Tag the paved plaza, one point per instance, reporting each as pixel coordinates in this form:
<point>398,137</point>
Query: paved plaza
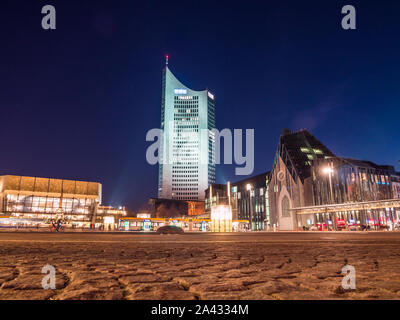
<point>200,266</point>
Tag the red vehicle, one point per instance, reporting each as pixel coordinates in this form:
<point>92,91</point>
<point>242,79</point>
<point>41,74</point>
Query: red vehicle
<point>322,226</point>
<point>340,224</point>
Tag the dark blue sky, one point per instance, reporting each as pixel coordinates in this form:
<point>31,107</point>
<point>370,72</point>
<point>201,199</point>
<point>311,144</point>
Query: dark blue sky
<point>76,102</point>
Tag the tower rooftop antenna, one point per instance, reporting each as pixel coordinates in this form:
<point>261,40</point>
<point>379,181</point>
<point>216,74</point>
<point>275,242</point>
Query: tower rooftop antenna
<point>166,59</point>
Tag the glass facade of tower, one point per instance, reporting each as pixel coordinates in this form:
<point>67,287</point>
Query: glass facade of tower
<point>187,151</point>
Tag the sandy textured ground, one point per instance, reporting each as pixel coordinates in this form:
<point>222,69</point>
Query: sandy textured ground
<point>205,266</point>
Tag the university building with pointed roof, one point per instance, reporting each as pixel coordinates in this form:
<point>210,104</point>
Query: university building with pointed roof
<point>309,185</point>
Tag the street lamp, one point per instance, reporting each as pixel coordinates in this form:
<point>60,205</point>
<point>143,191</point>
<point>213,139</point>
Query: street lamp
<point>329,172</point>
<point>249,187</point>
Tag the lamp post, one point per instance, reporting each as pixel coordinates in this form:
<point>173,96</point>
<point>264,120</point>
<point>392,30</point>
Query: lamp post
<point>228,191</point>
<point>329,171</point>
<point>249,188</point>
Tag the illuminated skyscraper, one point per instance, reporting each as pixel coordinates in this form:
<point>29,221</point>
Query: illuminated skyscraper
<point>187,150</point>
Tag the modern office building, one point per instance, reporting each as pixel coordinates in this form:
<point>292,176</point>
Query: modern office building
<point>187,151</point>
<point>340,182</point>
<point>395,179</point>
<point>248,199</point>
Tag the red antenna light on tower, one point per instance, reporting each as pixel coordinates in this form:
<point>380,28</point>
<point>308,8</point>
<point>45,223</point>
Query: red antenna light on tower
<point>166,59</point>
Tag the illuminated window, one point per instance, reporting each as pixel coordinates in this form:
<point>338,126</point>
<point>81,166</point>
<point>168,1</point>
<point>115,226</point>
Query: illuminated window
<point>310,156</point>
<point>305,150</point>
<point>317,151</point>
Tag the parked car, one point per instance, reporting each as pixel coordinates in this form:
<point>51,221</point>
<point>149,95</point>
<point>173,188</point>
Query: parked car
<point>354,227</point>
<point>170,230</point>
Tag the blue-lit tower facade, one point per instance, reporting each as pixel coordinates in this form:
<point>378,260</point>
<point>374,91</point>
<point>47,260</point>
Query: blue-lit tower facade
<point>187,150</point>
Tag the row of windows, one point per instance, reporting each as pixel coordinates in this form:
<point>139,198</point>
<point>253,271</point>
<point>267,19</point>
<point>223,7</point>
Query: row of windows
<point>189,167</point>
<point>185,105</point>
<point>185,175</point>
<point>178,159</point>
<point>183,97</point>
<point>185,198</point>
<point>184,141</point>
<point>186,193</point>
<point>183,163</point>
<point>182,113</point>
<point>185,147</point>
<point>186,121</point>
<point>184,171</point>
<point>184,152</point>
<point>184,126</point>
<point>186,110</point>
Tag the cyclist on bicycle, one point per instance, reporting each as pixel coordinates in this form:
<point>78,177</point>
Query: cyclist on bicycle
<point>59,225</point>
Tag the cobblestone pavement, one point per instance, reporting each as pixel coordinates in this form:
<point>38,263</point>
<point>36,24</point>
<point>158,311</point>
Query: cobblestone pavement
<point>200,266</point>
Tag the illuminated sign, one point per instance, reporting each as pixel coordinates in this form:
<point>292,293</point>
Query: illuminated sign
<point>221,218</point>
<point>147,225</point>
<point>221,212</point>
<point>108,220</point>
<point>180,91</point>
<point>210,95</point>
<point>143,215</point>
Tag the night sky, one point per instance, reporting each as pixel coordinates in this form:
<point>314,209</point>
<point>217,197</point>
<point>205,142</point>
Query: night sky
<point>76,102</point>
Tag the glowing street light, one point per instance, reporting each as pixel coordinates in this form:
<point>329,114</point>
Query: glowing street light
<point>327,170</point>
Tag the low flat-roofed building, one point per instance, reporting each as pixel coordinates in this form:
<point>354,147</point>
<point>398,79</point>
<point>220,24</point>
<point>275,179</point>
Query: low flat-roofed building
<point>44,199</point>
<point>172,208</point>
<point>107,217</point>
